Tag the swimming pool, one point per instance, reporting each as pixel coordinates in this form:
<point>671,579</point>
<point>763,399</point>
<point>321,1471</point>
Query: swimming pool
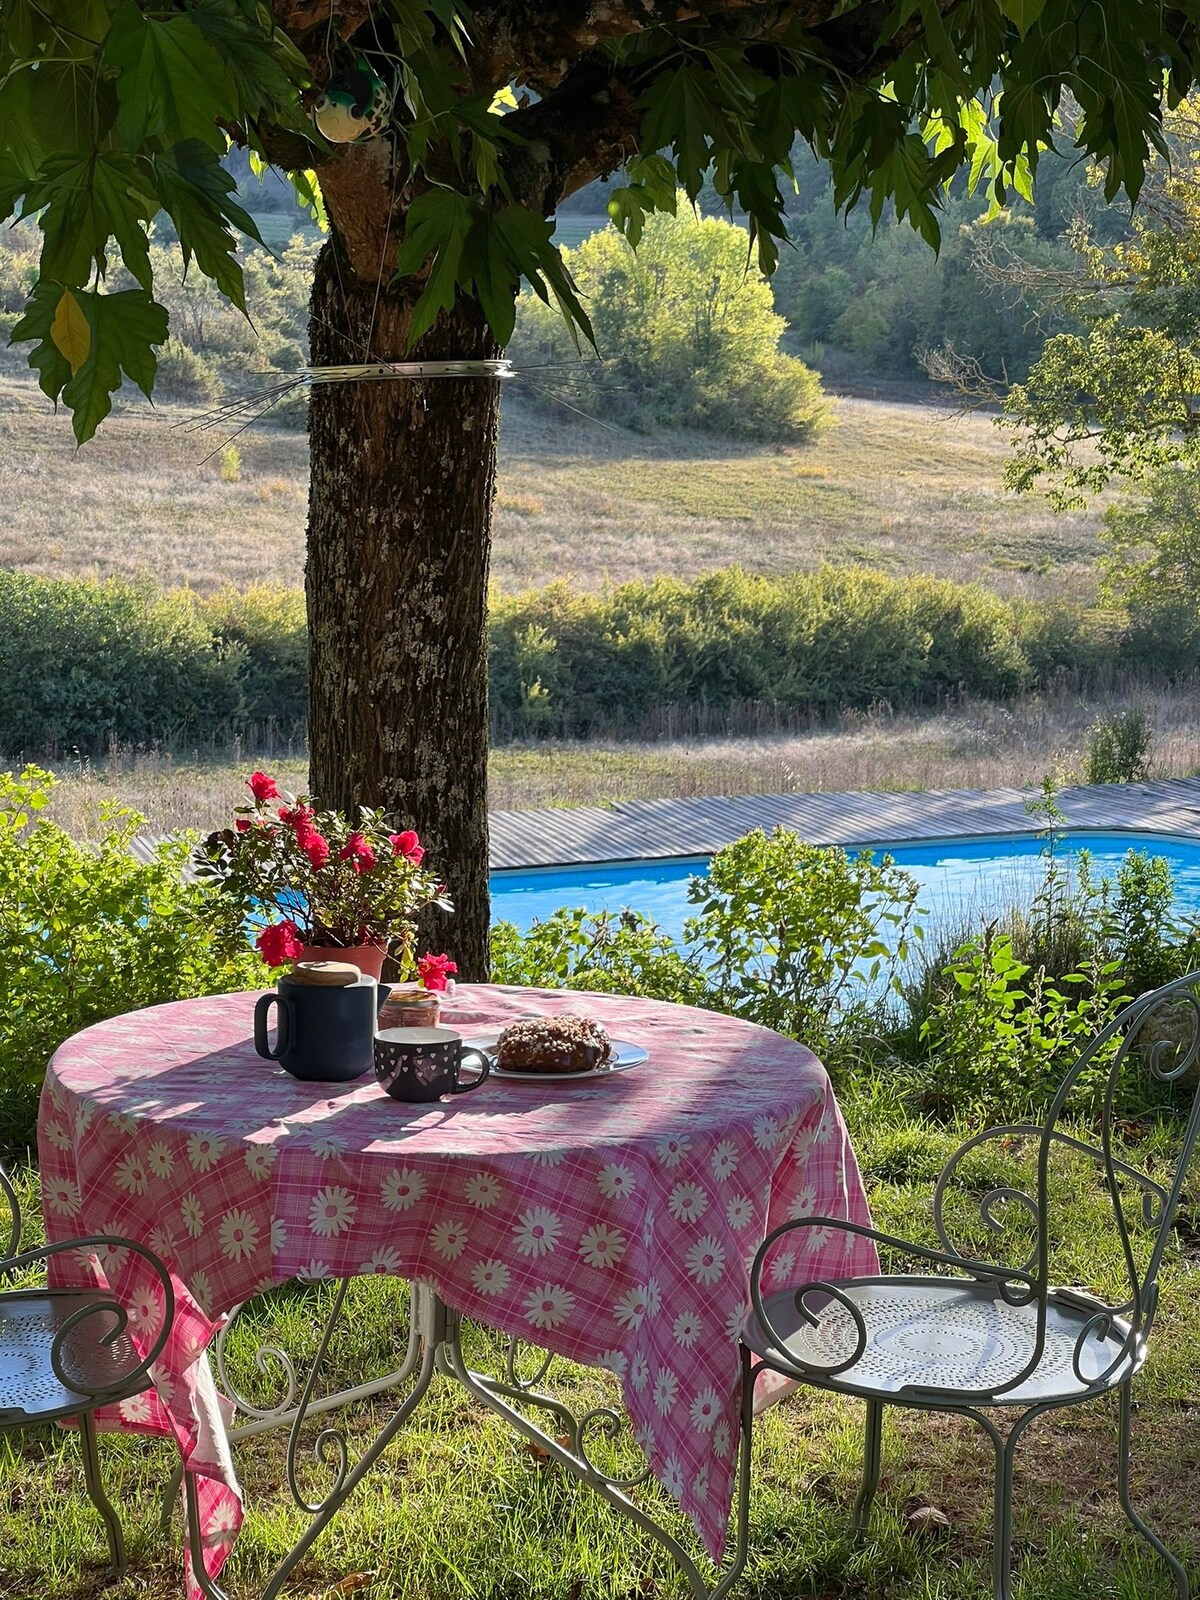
<point>959,878</point>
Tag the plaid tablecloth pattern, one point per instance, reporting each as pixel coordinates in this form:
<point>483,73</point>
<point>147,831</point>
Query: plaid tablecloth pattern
<point>612,1220</point>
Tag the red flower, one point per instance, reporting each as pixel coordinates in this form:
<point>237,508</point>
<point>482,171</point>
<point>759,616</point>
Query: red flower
<point>279,943</point>
<point>315,847</point>
<point>434,970</point>
<point>407,844</point>
<point>242,825</point>
<point>262,787</point>
<point>358,853</point>
<point>298,816</point>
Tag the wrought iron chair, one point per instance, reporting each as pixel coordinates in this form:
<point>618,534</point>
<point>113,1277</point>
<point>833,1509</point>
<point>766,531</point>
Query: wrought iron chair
<point>63,1352</point>
<point>999,1335</point>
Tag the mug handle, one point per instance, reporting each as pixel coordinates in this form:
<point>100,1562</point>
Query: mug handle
<point>485,1067</point>
<point>282,1025</point>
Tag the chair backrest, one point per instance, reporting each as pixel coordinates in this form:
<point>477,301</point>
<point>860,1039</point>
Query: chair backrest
<point>10,1220</point>
<point>1155,1038</point>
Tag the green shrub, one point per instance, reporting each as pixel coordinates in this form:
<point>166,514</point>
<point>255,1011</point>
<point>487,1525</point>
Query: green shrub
<point>267,627</point>
<point>88,934</point>
<point>83,663</point>
<point>185,376</point>
<point>689,334</point>
<point>1119,748</point>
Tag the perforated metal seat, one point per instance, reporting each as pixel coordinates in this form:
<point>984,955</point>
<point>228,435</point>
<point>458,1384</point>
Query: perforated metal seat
<point>30,1390</point>
<point>938,1334</point>
<point>63,1352</point>
<point>987,1333</point>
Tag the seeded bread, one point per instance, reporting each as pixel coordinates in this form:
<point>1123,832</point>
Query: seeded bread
<point>553,1044</point>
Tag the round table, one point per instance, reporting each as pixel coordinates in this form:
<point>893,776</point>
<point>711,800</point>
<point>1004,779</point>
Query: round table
<point>610,1220</point>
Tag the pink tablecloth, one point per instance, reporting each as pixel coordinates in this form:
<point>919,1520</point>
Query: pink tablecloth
<point>611,1220</point>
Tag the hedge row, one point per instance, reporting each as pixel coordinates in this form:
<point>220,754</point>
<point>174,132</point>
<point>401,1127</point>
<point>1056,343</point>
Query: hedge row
<point>85,663</point>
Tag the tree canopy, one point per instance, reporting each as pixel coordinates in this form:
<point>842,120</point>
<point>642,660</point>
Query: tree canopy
<point>115,111</point>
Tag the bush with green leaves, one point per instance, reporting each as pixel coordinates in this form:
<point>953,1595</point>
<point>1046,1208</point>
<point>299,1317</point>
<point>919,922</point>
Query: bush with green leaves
<point>1119,747</point>
<point>88,933</point>
<point>687,331</point>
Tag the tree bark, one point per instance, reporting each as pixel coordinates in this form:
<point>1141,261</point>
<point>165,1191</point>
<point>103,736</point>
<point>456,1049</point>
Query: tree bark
<point>399,536</point>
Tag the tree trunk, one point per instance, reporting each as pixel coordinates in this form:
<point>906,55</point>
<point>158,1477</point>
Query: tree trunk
<point>399,532</point>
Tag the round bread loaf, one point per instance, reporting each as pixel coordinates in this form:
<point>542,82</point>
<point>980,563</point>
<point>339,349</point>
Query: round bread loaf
<point>553,1044</point>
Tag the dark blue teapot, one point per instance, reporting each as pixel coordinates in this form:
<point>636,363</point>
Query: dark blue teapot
<point>325,1015</point>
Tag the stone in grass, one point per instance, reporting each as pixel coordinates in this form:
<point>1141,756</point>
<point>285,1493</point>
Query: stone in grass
<point>926,1522</point>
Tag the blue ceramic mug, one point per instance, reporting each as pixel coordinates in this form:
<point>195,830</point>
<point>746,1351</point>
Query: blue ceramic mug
<point>324,1034</point>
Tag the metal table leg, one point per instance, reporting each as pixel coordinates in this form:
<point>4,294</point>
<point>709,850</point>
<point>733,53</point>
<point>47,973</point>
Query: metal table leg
<point>435,1349</point>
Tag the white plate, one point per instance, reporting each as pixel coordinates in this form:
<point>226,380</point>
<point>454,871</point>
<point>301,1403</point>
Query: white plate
<point>627,1055</point>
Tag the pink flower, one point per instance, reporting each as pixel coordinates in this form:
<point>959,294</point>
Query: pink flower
<point>434,970</point>
<point>315,847</point>
<point>262,787</point>
<point>358,853</point>
<point>407,844</point>
<point>279,943</point>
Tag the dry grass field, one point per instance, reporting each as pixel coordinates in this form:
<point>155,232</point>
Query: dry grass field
<point>978,745</point>
<point>902,487</point>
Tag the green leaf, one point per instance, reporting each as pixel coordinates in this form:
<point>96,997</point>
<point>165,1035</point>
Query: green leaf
<point>170,80</point>
<point>124,329</point>
<point>196,190</point>
<point>84,203</point>
<point>1023,12</point>
<point>682,113</point>
<point>438,224</point>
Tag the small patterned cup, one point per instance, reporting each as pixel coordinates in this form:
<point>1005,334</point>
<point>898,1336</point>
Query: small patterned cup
<point>424,1063</point>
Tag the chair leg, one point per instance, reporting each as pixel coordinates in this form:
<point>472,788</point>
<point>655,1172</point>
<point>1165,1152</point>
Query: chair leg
<point>1179,1576</point>
<point>95,1489</point>
<point>872,1455</point>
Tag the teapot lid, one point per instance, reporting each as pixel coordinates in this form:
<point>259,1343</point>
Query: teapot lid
<point>326,974</point>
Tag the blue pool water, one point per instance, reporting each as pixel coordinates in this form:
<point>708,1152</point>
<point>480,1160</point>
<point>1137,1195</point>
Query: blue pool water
<point>959,878</point>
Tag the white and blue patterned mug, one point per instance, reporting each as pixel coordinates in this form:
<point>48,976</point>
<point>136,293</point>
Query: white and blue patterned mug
<point>424,1063</point>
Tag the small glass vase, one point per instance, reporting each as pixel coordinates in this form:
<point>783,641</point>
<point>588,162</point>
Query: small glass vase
<point>410,1006</point>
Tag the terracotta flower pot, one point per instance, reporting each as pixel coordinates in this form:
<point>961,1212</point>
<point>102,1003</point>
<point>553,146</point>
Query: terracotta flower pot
<point>368,958</point>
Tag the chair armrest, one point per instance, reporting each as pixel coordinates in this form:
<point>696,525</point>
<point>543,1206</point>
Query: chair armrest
<point>102,1301</point>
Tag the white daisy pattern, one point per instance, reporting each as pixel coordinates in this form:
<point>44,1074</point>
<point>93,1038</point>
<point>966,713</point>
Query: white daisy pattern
<point>631,1307</point>
<point>672,1151</point>
<point>160,1160</point>
<point>766,1132</point>
<point>688,1202</point>
<point>260,1158</point>
<point>547,1306</point>
<point>705,1260</point>
<point>62,1196</point>
<point>639,1374</point>
<point>615,1361</point>
<point>700,1483</point>
<point>734,1323</point>
<point>783,1266</point>
<point>448,1239</point>
<point>313,1270</point>
<point>549,1158</point>
<point>144,1309</point>
<point>537,1231</point>
<point>653,1296</point>
<point>602,1246</point>
<point>401,1189</point>
<point>135,1409</point>
<point>383,1261</point>
<point>202,1290</point>
<point>57,1135</point>
<point>672,1477</point>
<point>204,1151</point>
<point>803,1204</point>
<point>238,1233</point>
<point>482,1190</point>
<point>614,1181</point>
<point>814,1239</point>
<point>686,1329</point>
<point>666,1388</point>
<point>490,1277</point>
<point>122,1122</point>
<point>328,1147</point>
<point>192,1213</point>
<point>130,1175</point>
<point>722,1439</point>
<point>724,1161</point>
<point>739,1213</point>
<point>278,1234</point>
<point>704,1410</point>
<point>331,1211</point>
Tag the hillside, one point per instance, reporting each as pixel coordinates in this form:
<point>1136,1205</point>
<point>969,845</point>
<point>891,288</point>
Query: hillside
<point>901,487</point>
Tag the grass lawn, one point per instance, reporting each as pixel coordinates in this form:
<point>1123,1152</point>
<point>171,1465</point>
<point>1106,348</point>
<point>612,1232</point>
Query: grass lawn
<point>901,487</point>
<point>460,1509</point>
